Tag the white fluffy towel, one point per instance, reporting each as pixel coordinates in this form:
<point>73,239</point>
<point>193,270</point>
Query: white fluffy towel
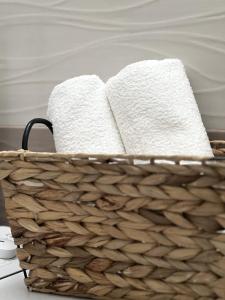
<point>155,110</point>
<point>81,117</point>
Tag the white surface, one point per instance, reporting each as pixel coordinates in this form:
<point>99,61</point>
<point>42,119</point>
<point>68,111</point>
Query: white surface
<point>46,42</point>
<point>81,117</point>
<point>8,266</point>
<point>156,111</point>
<point>13,288</point>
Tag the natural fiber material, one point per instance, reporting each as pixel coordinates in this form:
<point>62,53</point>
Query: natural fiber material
<point>106,227</point>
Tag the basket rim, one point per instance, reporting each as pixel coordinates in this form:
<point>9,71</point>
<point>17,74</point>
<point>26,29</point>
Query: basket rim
<point>23,154</point>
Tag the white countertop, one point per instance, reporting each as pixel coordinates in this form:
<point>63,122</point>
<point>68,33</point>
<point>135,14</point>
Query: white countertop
<point>8,267</point>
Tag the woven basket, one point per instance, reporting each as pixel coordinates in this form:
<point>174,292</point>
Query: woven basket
<point>123,227</point>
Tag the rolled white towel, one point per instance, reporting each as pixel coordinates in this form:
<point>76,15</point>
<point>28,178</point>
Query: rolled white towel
<point>81,117</point>
<point>155,110</point>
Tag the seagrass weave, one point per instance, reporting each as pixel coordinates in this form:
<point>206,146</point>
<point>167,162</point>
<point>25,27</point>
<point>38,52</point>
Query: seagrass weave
<point>118,227</point>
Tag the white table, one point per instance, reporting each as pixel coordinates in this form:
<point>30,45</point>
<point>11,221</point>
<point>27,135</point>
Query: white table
<point>8,267</point>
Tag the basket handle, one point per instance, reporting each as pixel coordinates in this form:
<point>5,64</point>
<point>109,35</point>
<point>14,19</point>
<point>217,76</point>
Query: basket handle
<point>28,128</point>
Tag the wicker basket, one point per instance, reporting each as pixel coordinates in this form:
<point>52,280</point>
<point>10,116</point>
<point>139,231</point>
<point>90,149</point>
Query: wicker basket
<point>118,227</point>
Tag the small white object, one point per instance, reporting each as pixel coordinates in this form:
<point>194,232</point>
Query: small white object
<point>155,110</point>
<point>5,233</point>
<point>7,249</point>
<point>81,117</point>
<point>7,246</point>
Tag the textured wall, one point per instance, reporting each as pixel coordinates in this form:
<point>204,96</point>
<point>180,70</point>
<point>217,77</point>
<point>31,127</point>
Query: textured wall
<point>46,41</point>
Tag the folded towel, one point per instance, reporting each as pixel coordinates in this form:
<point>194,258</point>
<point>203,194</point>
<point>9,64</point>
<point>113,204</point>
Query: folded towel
<point>81,117</point>
<point>155,110</point>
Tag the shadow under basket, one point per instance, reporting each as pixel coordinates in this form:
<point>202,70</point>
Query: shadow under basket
<point>118,227</point>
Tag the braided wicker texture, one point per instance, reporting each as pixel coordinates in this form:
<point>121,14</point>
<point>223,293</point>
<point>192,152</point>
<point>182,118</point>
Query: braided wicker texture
<point>118,227</point>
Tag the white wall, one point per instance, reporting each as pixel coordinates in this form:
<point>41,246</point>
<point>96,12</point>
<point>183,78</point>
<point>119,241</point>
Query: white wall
<point>43,42</point>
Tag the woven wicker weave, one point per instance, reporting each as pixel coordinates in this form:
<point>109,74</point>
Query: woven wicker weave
<point>119,227</point>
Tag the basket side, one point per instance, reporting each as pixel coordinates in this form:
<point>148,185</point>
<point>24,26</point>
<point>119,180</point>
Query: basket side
<point>113,229</point>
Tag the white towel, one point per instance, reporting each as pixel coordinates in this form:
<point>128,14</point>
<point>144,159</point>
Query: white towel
<point>81,117</point>
<point>155,110</point>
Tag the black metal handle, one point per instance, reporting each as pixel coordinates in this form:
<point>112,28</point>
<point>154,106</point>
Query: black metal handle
<point>28,127</point>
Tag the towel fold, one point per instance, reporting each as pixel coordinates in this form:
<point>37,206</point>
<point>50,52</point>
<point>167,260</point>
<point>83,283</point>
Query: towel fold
<point>81,117</point>
<point>155,110</point>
